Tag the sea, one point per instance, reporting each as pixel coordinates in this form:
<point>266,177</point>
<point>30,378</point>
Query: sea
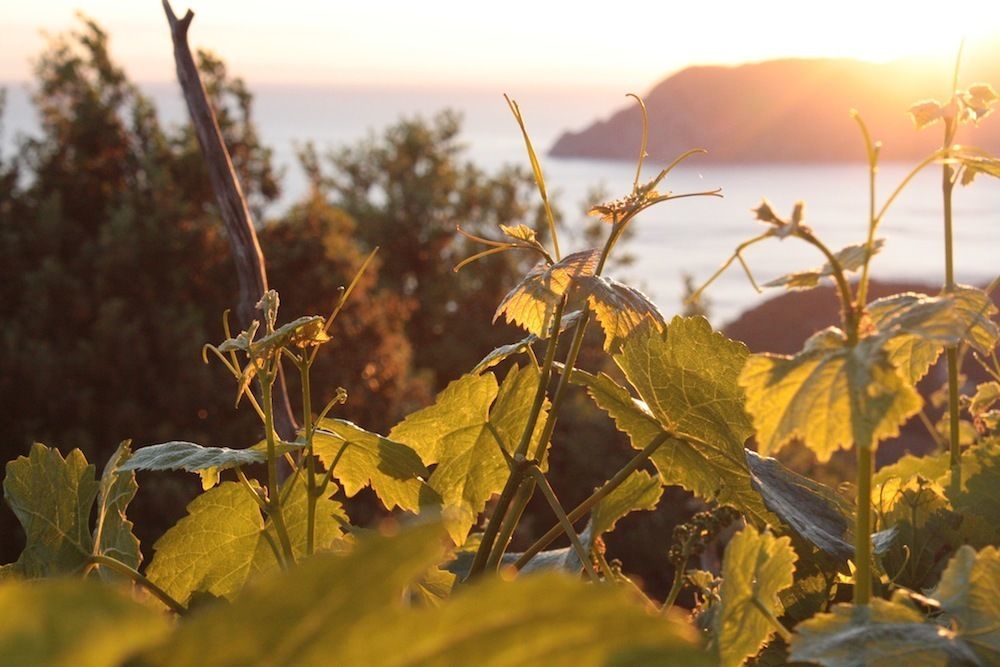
<point>685,237</point>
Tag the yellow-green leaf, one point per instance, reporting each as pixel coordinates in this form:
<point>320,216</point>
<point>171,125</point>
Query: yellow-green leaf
<point>686,377</point>
<point>303,617</point>
<point>544,619</point>
<point>71,622</point>
<point>532,303</point>
<point>520,233</point>
<point>620,309</point>
<point>455,433</point>
<point>714,473</point>
<point>755,568</point>
<point>639,491</point>
<point>52,497</point>
<point>213,548</point>
<point>850,258</point>
<point>830,395</point>
<point>882,634</point>
<point>113,535</point>
<point>393,470</point>
<point>968,594</point>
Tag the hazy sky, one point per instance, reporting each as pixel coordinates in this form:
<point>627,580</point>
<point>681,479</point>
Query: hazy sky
<point>621,44</point>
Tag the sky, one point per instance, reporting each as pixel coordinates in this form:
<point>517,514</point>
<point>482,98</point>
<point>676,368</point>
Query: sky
<point>622,45</point>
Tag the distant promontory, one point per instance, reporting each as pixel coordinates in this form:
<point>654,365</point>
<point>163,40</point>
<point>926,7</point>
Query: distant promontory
<point>792,111</point>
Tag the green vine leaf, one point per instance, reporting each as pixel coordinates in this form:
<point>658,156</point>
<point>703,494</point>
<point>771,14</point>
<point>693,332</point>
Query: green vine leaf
<point>520,233</point>
<point>975,162</point>
<point>712,472</point>
<point>113,535</point>
<point>298,617</point>
<point>331,520</point>
<point>817,513</point>
<point>52,497</point>
<point>394,470</point>
<point>929,531</point>
<point>639,491</point>
<point>505,351</point>
<point>620,309</point>
<point>851,258</point>
<point>178,455</point>
<point>213,548</point>
<point>303,332</point>
<point>916,328</point>
<point>882,634</point>
<point>968,596</point>
<point>547,619</point>
<point>532,303</point>
<point>830,395</point>
<point>686,378</point>
<point>68,621</point>
<point>455,434</point>
<point>755,568</point>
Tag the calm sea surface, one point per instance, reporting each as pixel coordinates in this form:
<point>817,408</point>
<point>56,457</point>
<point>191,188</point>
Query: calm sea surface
<point>688,236</point>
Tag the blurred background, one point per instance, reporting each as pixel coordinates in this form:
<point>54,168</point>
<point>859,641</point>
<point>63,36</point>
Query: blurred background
<point>356,125</point>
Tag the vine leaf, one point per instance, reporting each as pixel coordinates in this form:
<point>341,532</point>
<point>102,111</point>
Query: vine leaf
<point>979,496</point>
<point>975,162</point>
<point>393,470</point>
<point>882,634</point>
<point>303,332</point>
<point>68,621</point>
<point>968,596</point>
<point>331,518</point>
<point>51,497</point>
<point>295,617</point>
<point>929,532</point>
<point>755,568</point>
<point>620,309</point>
<point>817,513</point>
<point>179,455</point>
<point>455,433</point>
<point>532,303</point>
<point>832,394</point>
<point>213,548</point>
<point>851,258</point>
<point>965,314</point>
<point>711,473</point>
<point>113,535</point>
<point>505,351</point>
<point>344,601</point>
<point>547,619</point>
<point>686,378</point>
<point>829,394</point>
<point>639,491</point>
<point>520,233</point>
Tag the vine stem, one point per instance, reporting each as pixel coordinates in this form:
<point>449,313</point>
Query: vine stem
<point>312,496</point>
<point>584,507</point>
<point>527,488</point>
<point>139,578</point>
<point>564,521</point>
<point>954,448</point>
<point>863,528</point>
<point>273,498</point>
<point>851,322</point>
<point>482,557</point>
<point>675,587</point>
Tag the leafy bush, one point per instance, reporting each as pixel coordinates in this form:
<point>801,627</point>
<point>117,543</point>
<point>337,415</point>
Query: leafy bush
<point>270,569</point>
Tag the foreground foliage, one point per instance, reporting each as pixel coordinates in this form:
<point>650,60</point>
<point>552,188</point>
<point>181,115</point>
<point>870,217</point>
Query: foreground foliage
<point>270,560</point>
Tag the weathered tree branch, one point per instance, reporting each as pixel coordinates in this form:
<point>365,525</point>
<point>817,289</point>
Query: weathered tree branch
<point>232,203</point>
